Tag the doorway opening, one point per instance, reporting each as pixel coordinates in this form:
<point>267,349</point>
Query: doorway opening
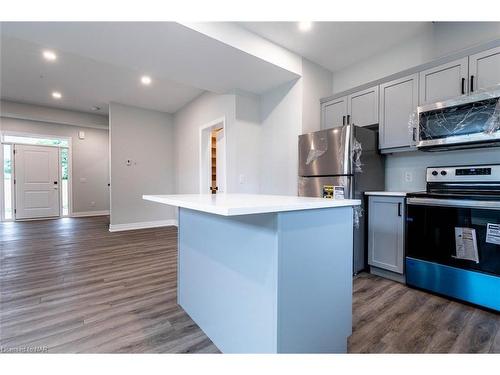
<point>213,157</point>
<point>39,158</point>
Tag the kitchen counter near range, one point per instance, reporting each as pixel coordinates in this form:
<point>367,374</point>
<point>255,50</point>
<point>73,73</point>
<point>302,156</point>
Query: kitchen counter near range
<point>387,193</point>
<point>266,273</point>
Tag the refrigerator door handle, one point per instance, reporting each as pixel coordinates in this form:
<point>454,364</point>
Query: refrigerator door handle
<point>347,149</point>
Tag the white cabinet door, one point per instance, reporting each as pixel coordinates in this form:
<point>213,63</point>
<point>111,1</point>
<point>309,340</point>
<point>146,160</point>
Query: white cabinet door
<point>334,113</point>
<point>444,81</point>
<point>386,233</point>
<point>36,171</point>
<point>363,107</point>
<point>484,70</point>
<point>398,100</point>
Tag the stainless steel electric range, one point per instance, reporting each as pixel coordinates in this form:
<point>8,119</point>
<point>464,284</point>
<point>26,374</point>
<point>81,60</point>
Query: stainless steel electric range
<point>453,234</point>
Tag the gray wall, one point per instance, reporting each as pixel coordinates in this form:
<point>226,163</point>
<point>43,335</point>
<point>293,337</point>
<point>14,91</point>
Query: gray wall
<point>90,156</point>
<point>146,138</point>
<point>415,163</point>
<point>52,115</point>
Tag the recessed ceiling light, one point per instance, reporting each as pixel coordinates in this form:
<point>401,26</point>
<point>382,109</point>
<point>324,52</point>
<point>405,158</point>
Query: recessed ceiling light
<point>49,55</point>
<point>146,80</point>
<point>56,95</point>
<point>305,26</point>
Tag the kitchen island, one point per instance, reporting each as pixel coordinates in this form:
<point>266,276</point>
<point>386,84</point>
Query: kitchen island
<point>266,273</point>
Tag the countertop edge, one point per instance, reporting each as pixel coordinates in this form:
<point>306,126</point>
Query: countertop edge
<point>228,211</point>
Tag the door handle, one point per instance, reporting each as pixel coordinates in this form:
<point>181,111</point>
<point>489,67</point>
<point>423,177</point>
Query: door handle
<point>399,209</point>
<point>463,86</point>
<point>348,119</point>
<point>414,134</point>
<point>472,83</point>
<point>343,120</point>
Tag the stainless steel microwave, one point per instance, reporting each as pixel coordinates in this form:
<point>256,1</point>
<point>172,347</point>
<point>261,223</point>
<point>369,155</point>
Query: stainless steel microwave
<point>466,122</point>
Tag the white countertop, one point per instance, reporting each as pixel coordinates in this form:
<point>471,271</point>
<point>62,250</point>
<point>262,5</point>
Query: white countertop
<point>246,204</point>
<point>387,193</point>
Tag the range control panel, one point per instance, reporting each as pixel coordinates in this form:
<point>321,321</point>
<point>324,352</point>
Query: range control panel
<point>464,173</point>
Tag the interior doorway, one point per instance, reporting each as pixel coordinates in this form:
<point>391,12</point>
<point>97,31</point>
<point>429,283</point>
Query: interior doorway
<point>213,157</point>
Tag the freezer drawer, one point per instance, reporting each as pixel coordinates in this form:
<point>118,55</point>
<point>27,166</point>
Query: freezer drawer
<point>317,186</point>
<point>326,152</point>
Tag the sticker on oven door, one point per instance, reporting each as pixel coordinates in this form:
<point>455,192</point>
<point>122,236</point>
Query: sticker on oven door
<point>493,233</point>
<point>466,244</point>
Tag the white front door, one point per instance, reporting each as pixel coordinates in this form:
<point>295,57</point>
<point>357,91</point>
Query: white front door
<point>36,173</point>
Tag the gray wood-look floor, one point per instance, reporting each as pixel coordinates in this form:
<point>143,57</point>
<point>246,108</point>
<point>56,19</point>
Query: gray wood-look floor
<point>71,286</point>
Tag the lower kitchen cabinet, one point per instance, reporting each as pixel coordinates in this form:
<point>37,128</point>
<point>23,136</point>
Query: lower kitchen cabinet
<point>386,236</point>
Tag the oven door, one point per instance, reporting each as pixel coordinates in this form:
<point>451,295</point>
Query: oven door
<point>437,231</point>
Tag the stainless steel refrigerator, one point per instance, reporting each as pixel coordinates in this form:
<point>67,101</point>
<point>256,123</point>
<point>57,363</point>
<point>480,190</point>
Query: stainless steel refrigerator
<point>345,157</point>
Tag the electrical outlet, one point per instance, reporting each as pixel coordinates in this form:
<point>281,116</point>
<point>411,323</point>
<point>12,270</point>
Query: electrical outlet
<point>242,179</point>
<point>408,176</point>
<point>92,204</point>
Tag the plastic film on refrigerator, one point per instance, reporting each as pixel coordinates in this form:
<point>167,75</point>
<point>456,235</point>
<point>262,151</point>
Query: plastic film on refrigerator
<point>319,146</point>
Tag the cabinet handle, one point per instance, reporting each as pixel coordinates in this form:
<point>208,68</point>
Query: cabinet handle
<point>343,120</point>
<point>348,119</point>
<point>472,83</point>
<point>463,86</point>
<point>399,209</point>
<point>414,134</point>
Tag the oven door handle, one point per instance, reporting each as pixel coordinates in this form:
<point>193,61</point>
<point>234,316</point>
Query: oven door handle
<point>465,203</point>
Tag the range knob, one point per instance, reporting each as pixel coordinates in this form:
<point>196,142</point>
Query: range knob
<point>434,173</point>
<point>443,173</point>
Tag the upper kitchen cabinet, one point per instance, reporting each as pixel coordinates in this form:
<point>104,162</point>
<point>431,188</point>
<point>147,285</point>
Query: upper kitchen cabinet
<point>334,113</point>
<point>484,70</point>
<point>444,81</point>
<point>398,100</point>
<point>363,107</point>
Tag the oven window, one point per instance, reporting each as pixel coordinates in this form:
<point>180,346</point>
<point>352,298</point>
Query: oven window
<point>431,236</point>
<point>464,119</point>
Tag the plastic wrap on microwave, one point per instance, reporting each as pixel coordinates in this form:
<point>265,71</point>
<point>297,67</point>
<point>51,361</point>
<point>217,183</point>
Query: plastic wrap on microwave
<point>493,123</point>
<point>413,127</point>
<point>357,215</point>
<point>471,116</point>
<point>356,156</point>
<point>319,146</point>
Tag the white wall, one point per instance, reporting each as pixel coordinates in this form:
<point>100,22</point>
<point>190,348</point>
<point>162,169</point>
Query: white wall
<point>206,108</point>
<point>440,39</point>
<point>90,156</point>
<point>262,133</point>
<point>146,138</point>
<point>316,84</point>
<point>281,117</point>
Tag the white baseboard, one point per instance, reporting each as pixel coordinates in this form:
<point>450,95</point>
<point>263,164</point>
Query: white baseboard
<point>90,213</point>
<point>142,225</point>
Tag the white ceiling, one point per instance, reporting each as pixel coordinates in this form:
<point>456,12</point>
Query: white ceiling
<point>83,82</point>
<point>335,45</point>
<point>101,62</point>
